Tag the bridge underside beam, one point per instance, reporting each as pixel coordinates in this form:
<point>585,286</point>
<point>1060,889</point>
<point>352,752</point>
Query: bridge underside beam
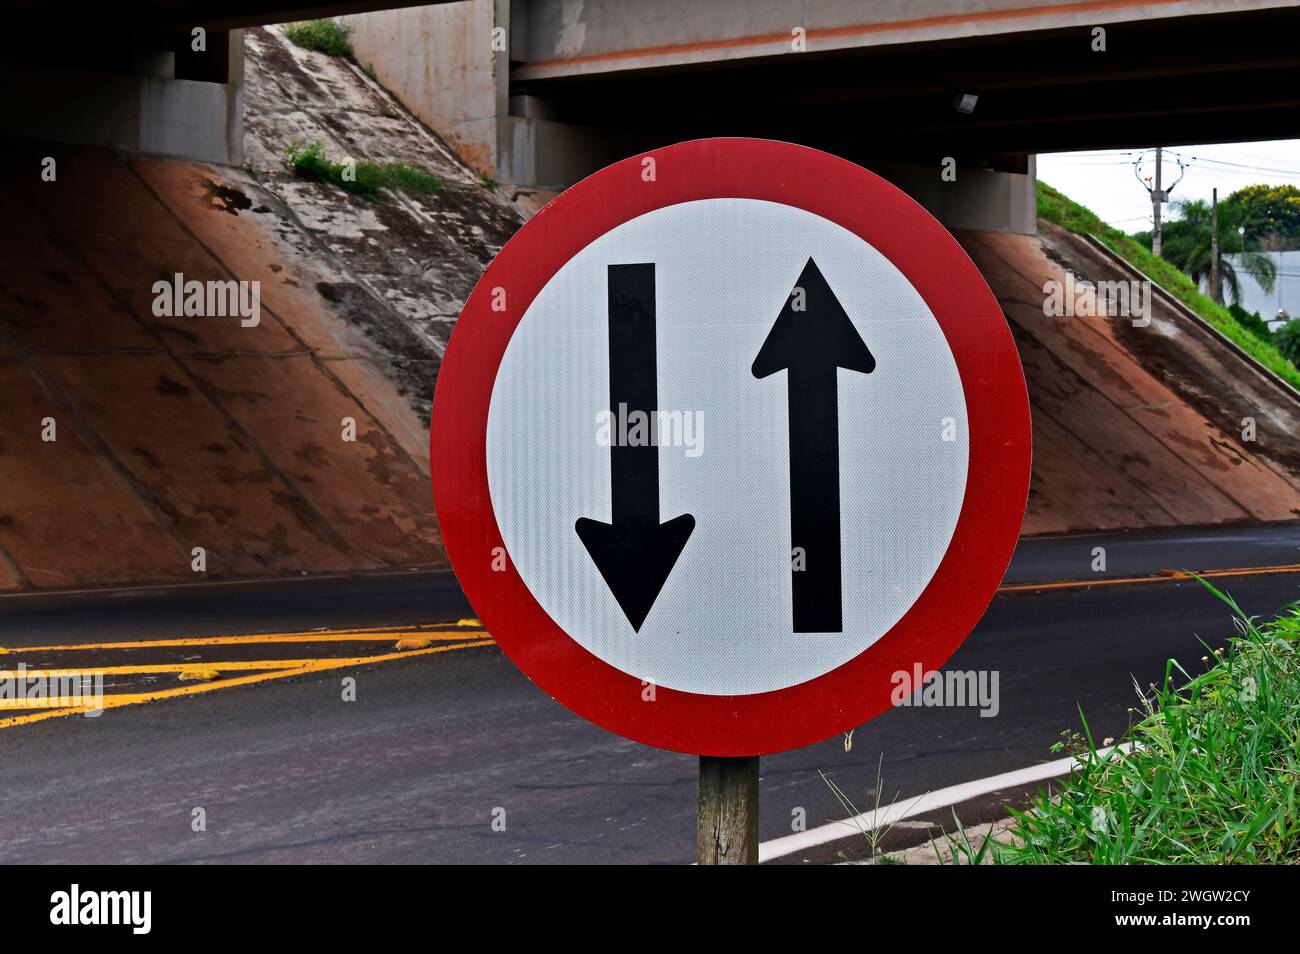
<point>1228,77</point>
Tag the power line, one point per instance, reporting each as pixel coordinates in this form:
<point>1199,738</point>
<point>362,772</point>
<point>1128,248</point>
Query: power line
<point>1094,152</point>
<point>1112,158</point>
<point>1093,165</point>
<point>1223,148</point>
<point>1238,165</point>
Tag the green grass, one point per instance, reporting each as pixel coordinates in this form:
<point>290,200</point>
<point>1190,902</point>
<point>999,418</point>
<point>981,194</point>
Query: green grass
<point>1213,777</point>
<point>370,179</point>
<point>324,36</point>
<point>401,176</point>
<point>1058,208</point>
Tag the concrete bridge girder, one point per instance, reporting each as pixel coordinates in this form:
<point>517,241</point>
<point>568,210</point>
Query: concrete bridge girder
<point>540,93</point>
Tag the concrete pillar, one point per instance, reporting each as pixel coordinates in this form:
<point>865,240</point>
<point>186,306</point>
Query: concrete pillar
<point>146,110</point>
<point>978,198</point>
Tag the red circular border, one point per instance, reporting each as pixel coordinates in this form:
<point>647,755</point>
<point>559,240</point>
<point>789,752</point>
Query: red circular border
<point>996,404</point>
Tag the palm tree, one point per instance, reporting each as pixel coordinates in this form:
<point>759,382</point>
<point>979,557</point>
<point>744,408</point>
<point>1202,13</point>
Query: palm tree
<point>1186,242</point>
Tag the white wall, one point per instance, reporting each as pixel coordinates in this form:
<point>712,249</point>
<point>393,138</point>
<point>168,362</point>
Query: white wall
<point>1286,288</point>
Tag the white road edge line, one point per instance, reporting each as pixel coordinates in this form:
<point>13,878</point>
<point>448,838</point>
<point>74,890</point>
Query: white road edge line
<point>901,809</point>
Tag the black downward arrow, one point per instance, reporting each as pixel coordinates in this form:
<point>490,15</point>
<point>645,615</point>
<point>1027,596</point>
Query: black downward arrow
<point>811,338</point>
<point>635,552</point>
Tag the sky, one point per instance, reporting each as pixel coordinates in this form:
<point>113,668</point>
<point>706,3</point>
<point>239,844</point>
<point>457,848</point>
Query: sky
<point>1105,182</point>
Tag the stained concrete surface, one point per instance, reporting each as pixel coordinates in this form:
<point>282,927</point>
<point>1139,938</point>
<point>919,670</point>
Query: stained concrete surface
<point>174,433</point>
<point>1136,426</point>
<point>417,255</point>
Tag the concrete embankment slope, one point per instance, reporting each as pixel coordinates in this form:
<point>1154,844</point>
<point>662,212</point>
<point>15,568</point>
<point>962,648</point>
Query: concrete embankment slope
<point>172,433</point>
<point>403,267</point>
<point>1137,426</point>
<point>175,433</point>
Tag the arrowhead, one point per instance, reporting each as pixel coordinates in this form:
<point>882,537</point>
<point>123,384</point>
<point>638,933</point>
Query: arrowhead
<point>816,336</point>
<point>635,558</point>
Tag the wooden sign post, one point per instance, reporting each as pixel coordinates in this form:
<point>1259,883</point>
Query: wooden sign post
<point>728,821</point>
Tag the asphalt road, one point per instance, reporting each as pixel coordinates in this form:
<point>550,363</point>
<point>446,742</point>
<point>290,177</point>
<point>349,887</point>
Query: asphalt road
<point>401,598</point>
<point>1141,552</point>
<point>436,747</point>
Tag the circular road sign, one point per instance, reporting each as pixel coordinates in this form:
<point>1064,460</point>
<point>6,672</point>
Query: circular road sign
<point>728,436</point>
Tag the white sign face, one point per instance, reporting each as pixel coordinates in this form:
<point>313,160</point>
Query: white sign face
<point>757,336</point>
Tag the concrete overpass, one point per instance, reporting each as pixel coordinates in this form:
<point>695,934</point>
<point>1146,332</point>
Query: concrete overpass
<point>579,83</point>
<point>539,93</point>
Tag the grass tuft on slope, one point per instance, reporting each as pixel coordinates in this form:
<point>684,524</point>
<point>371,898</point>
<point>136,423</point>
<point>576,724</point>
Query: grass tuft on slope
<point>323,36</point>
<point>364,178</point>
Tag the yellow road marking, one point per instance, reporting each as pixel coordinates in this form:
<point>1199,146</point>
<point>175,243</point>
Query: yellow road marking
<point>265,670</point>
<point>1161,578</point>
<point>117,700</point>
<point>352,636</point>
<point>241,664</point>
<point>199,675</point>
<point>412,642</point>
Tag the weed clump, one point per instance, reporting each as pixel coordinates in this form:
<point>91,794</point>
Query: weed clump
<point>323,36</point>
<point>360,177</point>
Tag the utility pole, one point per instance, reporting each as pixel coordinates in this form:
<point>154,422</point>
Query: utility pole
<point>1214,247</point>
<point>1156,186</point>
<point>1157,197</point>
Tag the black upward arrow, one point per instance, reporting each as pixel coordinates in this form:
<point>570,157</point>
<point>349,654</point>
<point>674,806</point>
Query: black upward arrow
<point>635,552</point>
<point>810,343</point>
